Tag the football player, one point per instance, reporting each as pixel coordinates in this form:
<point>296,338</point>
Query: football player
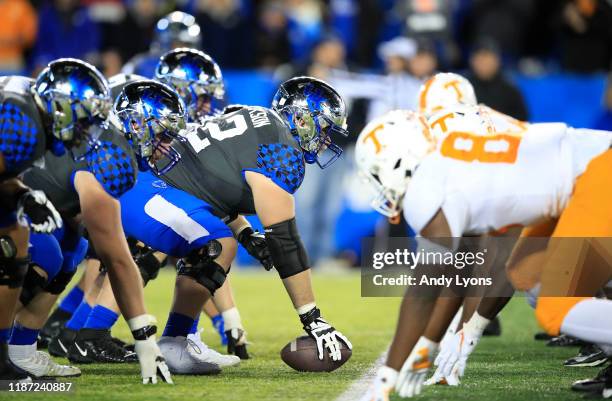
<point>72,99</point>
<point>179,224</point>
<point>248,161</point>
<point>198,79</point>
<point>177,29</point>
<point>449,196</point>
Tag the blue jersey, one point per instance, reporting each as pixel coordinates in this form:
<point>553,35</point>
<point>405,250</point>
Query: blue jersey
<point>168,219</point>
<point>215,157</point>
<point>111,161</point>
<point>22,133</point>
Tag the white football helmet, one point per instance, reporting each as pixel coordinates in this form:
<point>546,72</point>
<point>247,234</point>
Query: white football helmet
<point>387,152</point>
<point>443,90</point>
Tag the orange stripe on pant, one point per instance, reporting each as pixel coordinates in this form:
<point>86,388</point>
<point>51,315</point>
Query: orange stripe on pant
<point>576,264</point>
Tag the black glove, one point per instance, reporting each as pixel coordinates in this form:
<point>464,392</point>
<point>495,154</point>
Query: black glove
<point>42,214</point>
<point>255,244</point>
<point>324,334</point>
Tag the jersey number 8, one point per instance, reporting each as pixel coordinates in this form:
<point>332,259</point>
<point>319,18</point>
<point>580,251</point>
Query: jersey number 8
<point>469,147</point>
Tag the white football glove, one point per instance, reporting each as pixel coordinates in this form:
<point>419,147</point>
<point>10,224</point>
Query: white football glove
<point>325,335</point>
<point>451,365</point>
<point>415,368</point>
<point>41,213</point>
<point>382,386</point>
<point>152,363</point>
<point>444,349</point>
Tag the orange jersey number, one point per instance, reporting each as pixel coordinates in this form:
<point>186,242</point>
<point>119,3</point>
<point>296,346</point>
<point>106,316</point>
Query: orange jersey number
<point>469,147</point>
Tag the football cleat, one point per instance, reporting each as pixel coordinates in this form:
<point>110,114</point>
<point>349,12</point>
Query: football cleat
<point>179,356</point>
<point>606,390</point>
<point>59,345</point>
<point>542,336</point>
<point>589,355</point>
<point>39,364</point>
<point>237,343</point>
<point>596,384</point>
<point>52,328</point>
<point>202,352</point>
<point>97,346</point>
<point>9,374</point>
<point>124,345</point>
<point>564,340</point>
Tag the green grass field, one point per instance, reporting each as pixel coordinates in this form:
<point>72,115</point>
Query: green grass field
<point>513,367</point>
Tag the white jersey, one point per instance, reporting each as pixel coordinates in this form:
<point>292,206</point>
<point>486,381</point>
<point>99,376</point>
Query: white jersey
<point>485,178</point>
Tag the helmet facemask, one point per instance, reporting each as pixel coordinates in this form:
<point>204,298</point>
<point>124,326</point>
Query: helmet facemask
<point>201,100</point>
<point>388,152</point>
<point>389,183</point>
<point>72,120</point>
<point>152,137</point>
<point>314,131</point>
<point>76,101</point>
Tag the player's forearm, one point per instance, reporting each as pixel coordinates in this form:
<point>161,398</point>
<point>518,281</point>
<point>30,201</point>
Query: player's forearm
<point>445,310</point>
<point>413,318</point>
<point>103,221</point>
<point>490,307</point>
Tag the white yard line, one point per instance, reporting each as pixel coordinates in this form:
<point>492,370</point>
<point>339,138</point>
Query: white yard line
<point>359,386</point>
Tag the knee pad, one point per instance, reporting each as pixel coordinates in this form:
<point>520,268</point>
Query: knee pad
<point>12,268</point>
<point>200,266</point>
<point>286,248</point>
<point>33,283</point>
<point>58,284</point>
<point>46,253</point>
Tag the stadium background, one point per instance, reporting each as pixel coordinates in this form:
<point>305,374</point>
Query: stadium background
<point>553,56</point>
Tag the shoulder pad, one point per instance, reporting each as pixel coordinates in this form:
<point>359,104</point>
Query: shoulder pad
<point>18,134</point>
<point>16,84</point>
<point>283,164</point>
<point>113,167</point>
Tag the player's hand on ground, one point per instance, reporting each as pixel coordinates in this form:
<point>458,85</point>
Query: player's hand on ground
<point>382,386</point>
<point>452,366</point>
<point>41,213</point>
<point>152,363</point>
<point>325,335</point>
<point>415,368</point>
<point>444,352</point>
<point>255,244</point>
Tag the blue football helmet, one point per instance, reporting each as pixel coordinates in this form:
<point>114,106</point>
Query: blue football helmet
<point>316,114</point>
<point>151,115</point>
<point>177,29</point>
<point>76,98</point>
<point>196,77</point>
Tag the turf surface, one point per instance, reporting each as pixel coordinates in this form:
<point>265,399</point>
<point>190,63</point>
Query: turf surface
<point>513,367</point>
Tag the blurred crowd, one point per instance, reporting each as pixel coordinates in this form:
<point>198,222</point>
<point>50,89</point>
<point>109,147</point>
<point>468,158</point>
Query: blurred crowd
<point>376,52</point>
<point>571,35</point>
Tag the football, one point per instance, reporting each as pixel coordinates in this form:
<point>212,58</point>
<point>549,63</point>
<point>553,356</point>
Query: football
<point>301,355</point>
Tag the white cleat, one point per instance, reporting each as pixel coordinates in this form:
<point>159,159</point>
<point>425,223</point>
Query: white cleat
<point>180,358</point>
<point>39,364</point>
<point>202,352</point>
